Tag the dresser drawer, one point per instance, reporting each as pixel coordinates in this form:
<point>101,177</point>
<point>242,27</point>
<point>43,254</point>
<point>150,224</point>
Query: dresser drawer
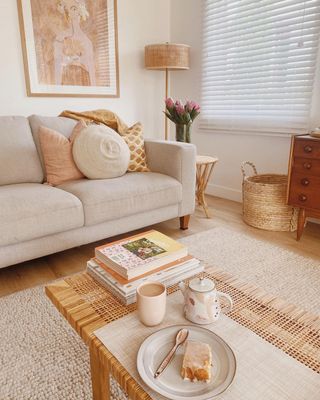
<point>306,148</point>
<point>305,200</point>
<point>306,166</point>
<point>304,191</point>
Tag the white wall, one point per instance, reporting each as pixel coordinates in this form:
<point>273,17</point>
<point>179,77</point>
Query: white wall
<point>140,22</point>
<point>269,153</point>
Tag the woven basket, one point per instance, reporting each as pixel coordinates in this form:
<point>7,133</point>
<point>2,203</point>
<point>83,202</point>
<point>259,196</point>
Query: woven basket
<point>264,201</point>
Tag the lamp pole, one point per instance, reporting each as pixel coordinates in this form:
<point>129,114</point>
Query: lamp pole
<point>167,94</point>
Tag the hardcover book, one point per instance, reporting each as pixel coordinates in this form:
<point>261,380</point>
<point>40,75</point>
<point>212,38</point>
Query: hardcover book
<point>140,253</point>
<point>124,281</point>
<point>127,293</point>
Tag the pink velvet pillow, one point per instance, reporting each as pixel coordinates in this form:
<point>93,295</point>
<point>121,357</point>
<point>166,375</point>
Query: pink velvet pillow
<point>57,155</point>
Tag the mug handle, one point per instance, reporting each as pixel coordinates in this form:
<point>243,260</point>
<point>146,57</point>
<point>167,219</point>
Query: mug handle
<point>228,307</point>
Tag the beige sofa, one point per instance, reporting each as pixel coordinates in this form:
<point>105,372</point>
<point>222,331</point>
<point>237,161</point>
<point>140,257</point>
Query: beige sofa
<point>37,219</point>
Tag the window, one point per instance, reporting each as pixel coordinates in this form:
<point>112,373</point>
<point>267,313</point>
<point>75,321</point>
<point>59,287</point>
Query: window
<point>259,63</point>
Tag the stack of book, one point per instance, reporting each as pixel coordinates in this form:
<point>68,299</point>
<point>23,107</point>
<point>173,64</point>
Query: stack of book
<point>123,265</point>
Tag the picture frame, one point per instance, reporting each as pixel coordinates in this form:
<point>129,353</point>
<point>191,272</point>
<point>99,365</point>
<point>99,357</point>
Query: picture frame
<point>70,47</point>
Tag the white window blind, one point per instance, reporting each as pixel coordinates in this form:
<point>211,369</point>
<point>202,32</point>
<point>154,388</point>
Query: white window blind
<point>259,63</point>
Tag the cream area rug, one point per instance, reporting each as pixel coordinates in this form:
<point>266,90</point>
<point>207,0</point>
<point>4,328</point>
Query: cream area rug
<point>41,357</point>
<point>278,271</point>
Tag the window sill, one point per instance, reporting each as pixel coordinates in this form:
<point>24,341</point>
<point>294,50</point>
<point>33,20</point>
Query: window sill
<point>243,132</point>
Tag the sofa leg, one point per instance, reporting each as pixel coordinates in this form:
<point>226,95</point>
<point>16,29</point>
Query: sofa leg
<point>184,222</point>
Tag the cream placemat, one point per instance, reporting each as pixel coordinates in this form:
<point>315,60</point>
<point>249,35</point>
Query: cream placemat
<point>263,371</point>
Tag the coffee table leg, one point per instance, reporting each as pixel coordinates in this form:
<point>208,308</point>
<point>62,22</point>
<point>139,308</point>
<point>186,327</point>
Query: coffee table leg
<point>99,376</point>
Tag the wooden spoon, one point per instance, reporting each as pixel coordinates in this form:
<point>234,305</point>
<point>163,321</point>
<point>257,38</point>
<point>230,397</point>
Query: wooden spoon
<point>181,337</point>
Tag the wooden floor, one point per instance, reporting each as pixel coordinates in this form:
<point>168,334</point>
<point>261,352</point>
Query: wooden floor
<point>224,213</point>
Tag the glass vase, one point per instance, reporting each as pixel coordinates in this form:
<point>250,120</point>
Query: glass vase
<point>183,133</point>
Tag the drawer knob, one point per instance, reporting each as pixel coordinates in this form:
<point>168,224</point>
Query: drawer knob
<point>305,181</point>
<point>303,197</point>
<point>307,165</point>
<point>308,149</point>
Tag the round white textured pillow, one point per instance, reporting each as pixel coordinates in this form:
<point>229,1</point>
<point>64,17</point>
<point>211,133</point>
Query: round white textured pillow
<point>99,152</point>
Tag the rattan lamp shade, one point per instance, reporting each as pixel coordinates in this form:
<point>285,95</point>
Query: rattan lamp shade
<point>167,56</point>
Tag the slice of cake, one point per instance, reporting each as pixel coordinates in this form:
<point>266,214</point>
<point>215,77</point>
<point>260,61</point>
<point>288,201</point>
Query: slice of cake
<point>197,361</point>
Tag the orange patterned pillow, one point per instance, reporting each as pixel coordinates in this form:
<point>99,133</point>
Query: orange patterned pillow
<point>57,155</point>
<point>133,136</point>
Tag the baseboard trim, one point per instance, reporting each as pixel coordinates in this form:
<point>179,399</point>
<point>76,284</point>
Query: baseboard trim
<point>224,192</point>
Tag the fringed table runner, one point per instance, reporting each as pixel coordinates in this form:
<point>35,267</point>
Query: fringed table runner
<point>271,326</point>
<point>263,371</point>
<point>288,327</point>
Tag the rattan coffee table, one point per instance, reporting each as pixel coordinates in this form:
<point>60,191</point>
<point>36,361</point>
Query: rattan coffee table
<point>87,306</point>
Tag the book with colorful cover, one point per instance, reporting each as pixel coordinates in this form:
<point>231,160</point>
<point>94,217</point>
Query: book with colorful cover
<point>140,253</point>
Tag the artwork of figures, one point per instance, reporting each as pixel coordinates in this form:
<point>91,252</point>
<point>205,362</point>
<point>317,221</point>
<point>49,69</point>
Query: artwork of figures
<point>70,47</point>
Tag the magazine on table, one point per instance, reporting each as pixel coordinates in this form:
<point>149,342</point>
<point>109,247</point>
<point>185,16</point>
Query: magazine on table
<point>140,253</point>
<point>131,287</point>
<point>127,295</point>
<point>121,280</point>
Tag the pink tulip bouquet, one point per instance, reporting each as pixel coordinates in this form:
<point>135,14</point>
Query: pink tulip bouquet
<point>179,113</point>
<point>182,115</point>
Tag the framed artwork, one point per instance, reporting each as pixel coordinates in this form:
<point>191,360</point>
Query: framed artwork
<point>70,47</point>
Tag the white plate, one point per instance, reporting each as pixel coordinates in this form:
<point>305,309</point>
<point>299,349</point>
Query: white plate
<point>170,383</point>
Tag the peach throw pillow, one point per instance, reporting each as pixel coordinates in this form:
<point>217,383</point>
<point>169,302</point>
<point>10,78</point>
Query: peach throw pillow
<point>57,155</point>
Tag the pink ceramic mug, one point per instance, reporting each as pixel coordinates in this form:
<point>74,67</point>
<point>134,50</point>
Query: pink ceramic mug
<point>151,302</point>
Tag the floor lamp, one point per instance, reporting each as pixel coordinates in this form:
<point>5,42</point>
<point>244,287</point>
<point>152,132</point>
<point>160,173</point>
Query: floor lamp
<point>166,57</point>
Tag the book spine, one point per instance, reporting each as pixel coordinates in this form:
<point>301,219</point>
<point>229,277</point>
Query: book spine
<point>128,289</point>
<point>99,279</point>
<point>126,300</point>
<point>167,267</point>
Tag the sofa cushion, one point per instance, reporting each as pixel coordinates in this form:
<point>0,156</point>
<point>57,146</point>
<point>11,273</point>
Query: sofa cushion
<point>100,153</point>
<point>19,160</point>
<point>57,155</point>
<point>134,139</point>
<point>60,124</point>
<point>31,210</point>
<point>133,136</point>
<point>134,192</point>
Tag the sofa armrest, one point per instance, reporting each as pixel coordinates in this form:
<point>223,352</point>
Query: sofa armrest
<point>177,160</point>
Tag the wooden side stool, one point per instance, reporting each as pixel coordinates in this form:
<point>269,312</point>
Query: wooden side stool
<point>205,166</point>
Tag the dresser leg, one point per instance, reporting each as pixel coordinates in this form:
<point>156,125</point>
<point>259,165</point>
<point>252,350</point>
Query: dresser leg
<point>301,222</point>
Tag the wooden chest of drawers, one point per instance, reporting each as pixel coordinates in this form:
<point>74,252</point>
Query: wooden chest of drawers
<point>304,178</point>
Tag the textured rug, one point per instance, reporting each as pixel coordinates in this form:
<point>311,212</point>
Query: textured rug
<point>278,271</point>
<point>42,358</point>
